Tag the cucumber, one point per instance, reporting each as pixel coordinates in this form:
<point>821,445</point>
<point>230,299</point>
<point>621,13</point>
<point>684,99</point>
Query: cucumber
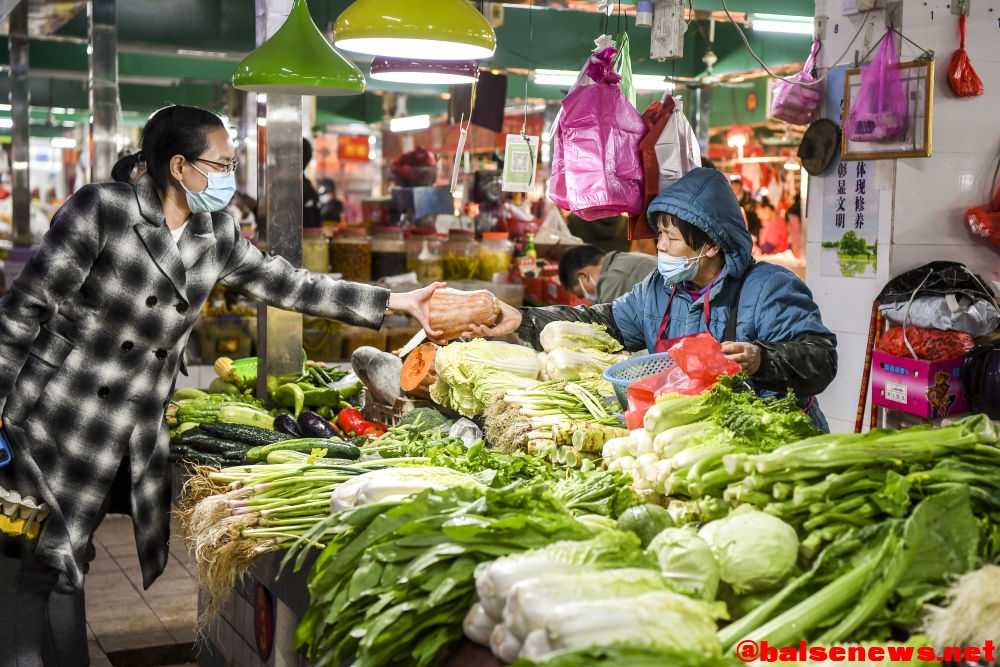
<point>334,448</point>
<point>206,443</point>
<point>251,436</point>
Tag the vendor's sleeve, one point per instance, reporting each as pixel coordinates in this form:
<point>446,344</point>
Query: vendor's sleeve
<point>805,366</point>
<point>533,320</point>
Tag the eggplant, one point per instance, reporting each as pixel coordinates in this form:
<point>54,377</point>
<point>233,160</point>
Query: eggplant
<point>285,423</point>
<point>314,425</point>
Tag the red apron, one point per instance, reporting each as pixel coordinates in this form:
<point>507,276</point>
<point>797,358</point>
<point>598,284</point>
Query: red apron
<point>664,344</point>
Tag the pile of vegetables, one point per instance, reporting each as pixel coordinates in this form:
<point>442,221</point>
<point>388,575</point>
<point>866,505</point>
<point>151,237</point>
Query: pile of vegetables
<point>564,422</point>
<point>395,580</point>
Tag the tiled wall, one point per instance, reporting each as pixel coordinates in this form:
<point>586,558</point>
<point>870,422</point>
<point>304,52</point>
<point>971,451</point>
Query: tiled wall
<point>923,205</point>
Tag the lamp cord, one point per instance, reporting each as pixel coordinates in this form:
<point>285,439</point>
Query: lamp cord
<point>786,79</point>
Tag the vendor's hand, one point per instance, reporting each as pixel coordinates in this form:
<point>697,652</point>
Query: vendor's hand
<point>417,303</point>
<point>747,355</point>
<point>507,322</point>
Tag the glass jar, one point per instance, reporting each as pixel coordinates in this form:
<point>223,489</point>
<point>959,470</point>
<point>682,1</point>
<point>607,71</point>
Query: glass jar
<point>388,252</point>
<point>351,254</point>
<point>495,254</point>
<point>315,251</point>
<point>461,255</point>
<point>423,255</point>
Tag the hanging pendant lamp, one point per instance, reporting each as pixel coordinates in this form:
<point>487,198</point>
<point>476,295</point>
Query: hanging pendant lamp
<point>408,70</point>
<point>298,60</point>
<point>424,29</point>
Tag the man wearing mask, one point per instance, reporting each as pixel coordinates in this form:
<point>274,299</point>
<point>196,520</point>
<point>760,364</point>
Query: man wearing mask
<point>591,273</point>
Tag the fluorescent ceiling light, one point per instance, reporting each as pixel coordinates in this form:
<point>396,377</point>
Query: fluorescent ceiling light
<point>63,142</point>
<point>796,25</point>
<point>408,123</point>
<point>566,78</point>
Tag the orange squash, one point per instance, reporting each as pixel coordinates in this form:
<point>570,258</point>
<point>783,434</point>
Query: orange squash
<point>418,372</point>
<point>453,311</point>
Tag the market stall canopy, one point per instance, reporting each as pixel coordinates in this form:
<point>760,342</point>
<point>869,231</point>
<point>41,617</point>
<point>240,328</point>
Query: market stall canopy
<point>186,51</point>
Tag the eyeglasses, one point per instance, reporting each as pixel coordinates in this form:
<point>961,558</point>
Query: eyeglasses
<point>224,167</point>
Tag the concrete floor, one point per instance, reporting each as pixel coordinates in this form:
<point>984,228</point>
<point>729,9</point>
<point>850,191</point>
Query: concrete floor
<point>128,626</point>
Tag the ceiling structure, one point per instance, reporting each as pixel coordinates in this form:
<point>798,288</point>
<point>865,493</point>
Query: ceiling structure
<point>185,51</point>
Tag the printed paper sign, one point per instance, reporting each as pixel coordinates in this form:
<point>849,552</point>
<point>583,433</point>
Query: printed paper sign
<point>520,163</point>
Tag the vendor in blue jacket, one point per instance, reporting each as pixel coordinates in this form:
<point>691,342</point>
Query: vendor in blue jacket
<point>705,279</point>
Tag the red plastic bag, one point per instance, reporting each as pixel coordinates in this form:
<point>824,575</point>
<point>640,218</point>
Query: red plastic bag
<point>878,112</point>
<point>596,166</point>
<point>927,344</point>
<point>961,76</point>
<point>985,220</point>
<point>795,103</point>
<point>700,357</point>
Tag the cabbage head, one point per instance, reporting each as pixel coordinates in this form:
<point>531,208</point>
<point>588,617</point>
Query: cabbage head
<point>755,551</point>
<point>687,561</point>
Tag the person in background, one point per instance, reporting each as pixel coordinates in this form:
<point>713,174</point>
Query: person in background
<point>310,199</point>
<point>98,320</point>
<point>606,233</point>
<point>706,279</point>
<point>591,273</point>
<point>793,218</point>
<point>747,205</point>
<point>330,208</point>
<point>774,231</point>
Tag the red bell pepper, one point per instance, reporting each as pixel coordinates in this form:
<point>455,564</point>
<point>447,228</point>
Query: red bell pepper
<point>352,422</point>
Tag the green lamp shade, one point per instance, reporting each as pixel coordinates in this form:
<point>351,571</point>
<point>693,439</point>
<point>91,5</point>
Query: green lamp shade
<point>423,29</point>
<point>297,60</point>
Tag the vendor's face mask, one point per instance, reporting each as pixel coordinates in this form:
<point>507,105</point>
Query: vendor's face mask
<point>677,269</point>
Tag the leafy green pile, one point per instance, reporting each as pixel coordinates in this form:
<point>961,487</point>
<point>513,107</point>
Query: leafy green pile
<point>631,655</point>
<point>393,585</point>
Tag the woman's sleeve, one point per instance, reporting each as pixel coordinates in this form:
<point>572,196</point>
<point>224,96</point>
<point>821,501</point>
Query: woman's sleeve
<point>533,320</point>
<point>274,281</point>
<point>798,351</point>
<point>807,366</point>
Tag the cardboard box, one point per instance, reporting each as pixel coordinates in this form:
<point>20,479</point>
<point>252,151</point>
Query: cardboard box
<point>928,389</point>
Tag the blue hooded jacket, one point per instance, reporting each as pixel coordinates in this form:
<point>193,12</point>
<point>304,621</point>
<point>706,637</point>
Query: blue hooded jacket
<point>775,306</point>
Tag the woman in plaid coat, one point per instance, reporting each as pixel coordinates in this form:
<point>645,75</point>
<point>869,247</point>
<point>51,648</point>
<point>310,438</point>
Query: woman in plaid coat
<point>92,335</point>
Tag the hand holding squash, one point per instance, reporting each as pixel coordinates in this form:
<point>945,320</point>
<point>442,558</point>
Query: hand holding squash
<point>418,304</point>
<point>507,322</point>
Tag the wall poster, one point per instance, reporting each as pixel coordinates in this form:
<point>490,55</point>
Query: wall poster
<point>850,221</point>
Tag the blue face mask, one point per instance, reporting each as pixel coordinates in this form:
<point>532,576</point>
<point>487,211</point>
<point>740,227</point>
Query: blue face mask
<point>677,269</point>
<point>215,196</point>
<point>587,295</point>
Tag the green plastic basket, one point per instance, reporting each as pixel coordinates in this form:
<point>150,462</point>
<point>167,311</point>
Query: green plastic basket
<point>624,373</point>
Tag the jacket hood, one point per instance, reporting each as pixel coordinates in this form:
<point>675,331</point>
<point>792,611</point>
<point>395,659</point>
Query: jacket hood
<point>704,198</point>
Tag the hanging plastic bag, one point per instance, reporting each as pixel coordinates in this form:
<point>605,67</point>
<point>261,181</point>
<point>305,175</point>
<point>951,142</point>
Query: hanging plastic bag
<point>878,112</point>
<point>961,76</point>
<point>623,67</point>
<point>794,100</point>
<point>596,168</point>
<point>985,220</point>
<point>700,356</point>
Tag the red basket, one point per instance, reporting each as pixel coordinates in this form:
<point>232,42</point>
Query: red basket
<point>518,228</point>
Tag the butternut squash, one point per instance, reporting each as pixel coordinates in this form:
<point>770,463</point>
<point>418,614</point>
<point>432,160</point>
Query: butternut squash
<point>452,311</point>
<point>418,372</point>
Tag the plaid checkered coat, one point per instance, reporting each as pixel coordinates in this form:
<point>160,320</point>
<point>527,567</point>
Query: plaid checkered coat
<point>91,338</point>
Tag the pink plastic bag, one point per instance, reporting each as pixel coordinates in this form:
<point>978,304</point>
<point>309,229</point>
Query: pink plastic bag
<point>596,165</point>
<point>878,112</point>
<point>795,103</point>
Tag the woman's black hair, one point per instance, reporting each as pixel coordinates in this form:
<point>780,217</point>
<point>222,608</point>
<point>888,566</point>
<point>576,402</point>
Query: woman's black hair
<point>128,167</point>
<point>576,258</point>
<point>695,237</point>
<point>175,130</point>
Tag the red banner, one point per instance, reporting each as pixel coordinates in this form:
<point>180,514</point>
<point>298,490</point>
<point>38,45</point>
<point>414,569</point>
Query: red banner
<point>353,147</point>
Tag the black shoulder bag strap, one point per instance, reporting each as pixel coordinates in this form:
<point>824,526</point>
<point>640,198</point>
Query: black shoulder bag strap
<point>730,332</point>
